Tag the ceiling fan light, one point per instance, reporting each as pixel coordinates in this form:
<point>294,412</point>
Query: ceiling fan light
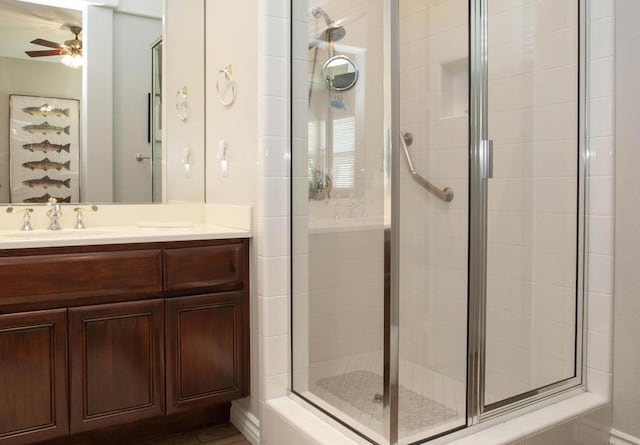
<point>72,61</point>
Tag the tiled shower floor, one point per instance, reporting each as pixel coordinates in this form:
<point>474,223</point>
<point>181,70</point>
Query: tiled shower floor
<point>429,401</point>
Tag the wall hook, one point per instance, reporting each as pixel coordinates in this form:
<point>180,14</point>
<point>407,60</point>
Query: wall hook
<point>225,74</point>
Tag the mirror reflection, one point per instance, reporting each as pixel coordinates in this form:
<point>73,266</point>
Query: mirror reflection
<point>67,128</point>
<point>339,73</point>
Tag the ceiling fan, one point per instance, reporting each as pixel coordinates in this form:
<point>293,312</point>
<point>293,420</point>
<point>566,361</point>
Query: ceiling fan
<point>71,49</point>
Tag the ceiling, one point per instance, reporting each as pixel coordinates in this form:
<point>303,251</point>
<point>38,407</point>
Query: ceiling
<point>22,22</point>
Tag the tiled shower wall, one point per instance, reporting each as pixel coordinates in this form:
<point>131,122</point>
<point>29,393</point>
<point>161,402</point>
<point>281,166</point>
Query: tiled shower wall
<point>433,241</point>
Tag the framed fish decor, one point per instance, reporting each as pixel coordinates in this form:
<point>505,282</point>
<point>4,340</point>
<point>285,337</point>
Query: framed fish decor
<point>44,149</point>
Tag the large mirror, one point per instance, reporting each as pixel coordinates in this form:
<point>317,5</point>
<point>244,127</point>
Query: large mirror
<point>83,106</point>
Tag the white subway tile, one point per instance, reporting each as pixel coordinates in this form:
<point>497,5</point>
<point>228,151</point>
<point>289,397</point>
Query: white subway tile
<point>273,117</point>
<point>275,76</point>
<point>600,235</point>
<point>274,386</point>
<point>601,117</point>
<point>602,38</point>
<point>275,316</point>
<point>275,36</point>
<point>600,312</point>
<point>601,9</point>
<point>273,239</point>
<point>273,157</point>
<point>600,274</point>
<point>602,77</point>
<point>275,355</point>
<point>273,199</point>
<point>599,351</point>
<point>599,382</point>
<point>601,195</point>
<point>601,159</point>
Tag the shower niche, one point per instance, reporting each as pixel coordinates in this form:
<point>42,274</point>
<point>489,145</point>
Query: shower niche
<point>454,80</point>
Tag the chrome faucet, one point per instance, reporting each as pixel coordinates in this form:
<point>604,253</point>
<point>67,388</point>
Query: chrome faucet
<point>54,213</point>
<point>26,219</point>
<point>320,188</point>
<point>79,216</point>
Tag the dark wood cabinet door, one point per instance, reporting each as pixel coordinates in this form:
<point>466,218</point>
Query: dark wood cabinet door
<point>116,363</point>
<point>33,377</point>
<point>207,350</point>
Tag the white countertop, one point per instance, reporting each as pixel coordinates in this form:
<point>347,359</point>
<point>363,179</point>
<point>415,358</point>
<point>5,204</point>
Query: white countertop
<point>16,239</point>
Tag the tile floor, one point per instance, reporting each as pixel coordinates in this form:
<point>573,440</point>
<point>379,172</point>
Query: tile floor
<point>225,434</point>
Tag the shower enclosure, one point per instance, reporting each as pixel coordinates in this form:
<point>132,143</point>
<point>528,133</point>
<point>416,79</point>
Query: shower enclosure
<point>437,228</point>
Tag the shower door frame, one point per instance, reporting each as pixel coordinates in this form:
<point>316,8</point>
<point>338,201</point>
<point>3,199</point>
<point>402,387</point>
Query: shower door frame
<point>479,170</point>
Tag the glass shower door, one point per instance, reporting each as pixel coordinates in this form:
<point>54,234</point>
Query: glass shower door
<point>533,198</point>
<point>339,225</point>
<point>434,119</point>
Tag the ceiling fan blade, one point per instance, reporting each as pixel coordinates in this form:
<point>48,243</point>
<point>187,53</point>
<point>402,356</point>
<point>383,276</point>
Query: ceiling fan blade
<point>47,52</point>
<point>47,43</point>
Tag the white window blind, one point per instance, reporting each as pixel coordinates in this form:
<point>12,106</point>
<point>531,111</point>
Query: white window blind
<point>344,153</point>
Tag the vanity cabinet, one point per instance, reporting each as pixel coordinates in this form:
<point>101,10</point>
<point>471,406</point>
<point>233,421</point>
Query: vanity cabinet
<point>202,332</point>
<point>33,376</point>
<point>94,337</point>
<point>116,363</point>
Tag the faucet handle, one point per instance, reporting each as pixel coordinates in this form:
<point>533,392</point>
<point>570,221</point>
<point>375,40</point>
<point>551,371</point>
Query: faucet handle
<point>26,219</point>
<point>79,219</point>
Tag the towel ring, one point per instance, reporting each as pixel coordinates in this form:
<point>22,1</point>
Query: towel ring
<point>182,104</point>
<point>225,74</point>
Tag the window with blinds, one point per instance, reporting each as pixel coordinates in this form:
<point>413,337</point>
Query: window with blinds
<point>344,153</point>
<point>343,170</point>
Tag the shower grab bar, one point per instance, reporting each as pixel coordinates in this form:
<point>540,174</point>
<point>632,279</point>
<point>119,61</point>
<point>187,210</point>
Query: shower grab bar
<point>445,194</point>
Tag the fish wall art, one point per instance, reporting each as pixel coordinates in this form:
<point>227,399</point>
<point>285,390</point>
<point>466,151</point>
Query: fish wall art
<point>45,199</point>
<point>44,149</point>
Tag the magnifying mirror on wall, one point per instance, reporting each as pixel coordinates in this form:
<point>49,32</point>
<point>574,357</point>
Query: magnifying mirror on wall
<point>339,73</point>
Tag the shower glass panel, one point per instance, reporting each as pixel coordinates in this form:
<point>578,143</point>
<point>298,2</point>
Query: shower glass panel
<point>437,232</point>
<point>434,104</point>
<point>533,207</point>
<point>338,195</point>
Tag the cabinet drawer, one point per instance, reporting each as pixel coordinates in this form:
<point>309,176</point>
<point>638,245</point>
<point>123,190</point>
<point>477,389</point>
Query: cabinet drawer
<point>34,278</point>
<point>210,268</point>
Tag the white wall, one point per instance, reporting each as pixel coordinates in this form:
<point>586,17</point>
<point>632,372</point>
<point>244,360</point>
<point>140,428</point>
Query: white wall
<point>183,66</point>
<point>626,389</point>
<point>132,40</point>
<point>147,8</point>
<point>30,78</point>
<point>232,39</point>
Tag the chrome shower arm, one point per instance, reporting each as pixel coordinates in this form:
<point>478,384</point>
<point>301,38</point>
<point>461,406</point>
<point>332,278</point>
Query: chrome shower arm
<point>445,194</point>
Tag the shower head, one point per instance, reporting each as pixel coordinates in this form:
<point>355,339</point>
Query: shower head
<point>332,33</point>
<point>319,12</point>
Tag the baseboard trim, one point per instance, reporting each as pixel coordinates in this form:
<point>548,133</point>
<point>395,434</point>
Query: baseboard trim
<point>246,423</point>
<point>620,438</point>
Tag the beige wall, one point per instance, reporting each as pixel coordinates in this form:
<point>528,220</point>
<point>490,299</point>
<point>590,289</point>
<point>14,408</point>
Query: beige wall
<point>232,39</point>
<point>30,78</point>
<point>184,66</point>
<point>626,389</point>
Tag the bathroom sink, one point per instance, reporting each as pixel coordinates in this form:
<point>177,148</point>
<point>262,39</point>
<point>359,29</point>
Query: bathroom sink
<point>165,225</point>
<point>54,234</point>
